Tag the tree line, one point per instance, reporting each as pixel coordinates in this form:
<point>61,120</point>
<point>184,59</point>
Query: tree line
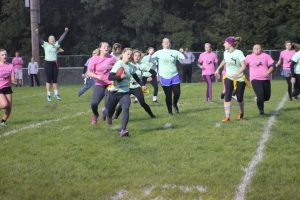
<point>143,23</point>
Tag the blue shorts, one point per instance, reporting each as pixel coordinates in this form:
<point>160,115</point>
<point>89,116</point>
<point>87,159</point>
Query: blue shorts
<point>171,81</point>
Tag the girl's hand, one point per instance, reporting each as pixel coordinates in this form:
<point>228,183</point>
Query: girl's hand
<point>217,74</point>
<point>293,80</point>
<point>149,79</point>
<point>123,76</point>
<point>99,77</point>
<point>266,74</point>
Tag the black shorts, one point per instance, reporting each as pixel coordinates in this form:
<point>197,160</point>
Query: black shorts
<point>6,90</point>
<point>51,71</point>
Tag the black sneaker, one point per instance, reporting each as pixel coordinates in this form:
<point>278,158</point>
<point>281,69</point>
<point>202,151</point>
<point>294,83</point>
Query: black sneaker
<point>261,112</point>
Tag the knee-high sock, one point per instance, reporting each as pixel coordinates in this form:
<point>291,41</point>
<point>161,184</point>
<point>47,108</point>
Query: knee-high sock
<point>227,106</point>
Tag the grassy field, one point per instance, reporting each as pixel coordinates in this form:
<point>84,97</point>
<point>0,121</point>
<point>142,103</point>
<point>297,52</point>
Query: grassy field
<point>51,151</point>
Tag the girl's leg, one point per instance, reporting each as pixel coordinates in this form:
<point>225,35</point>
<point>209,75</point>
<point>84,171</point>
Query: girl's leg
<point>137,92</point>
<point>168,93</point>
<point>228,95</point>
<point>176,96</point>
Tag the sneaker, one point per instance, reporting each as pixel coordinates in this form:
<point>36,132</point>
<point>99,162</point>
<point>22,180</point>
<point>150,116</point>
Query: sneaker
<point>176,109</point>
<point>155,101</point>
<point>3,124</point>
<point>94,119</point>
<point>49,98</point>
<point>240,116</point>
<point>109,121</point>
<point>227,119</point>
<point>124,133</point>
<point>103,114</point>
<point>261,112</point>
<point>57,96</point>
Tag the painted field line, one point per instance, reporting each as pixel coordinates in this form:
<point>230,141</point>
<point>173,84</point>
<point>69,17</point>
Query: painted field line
<point>38,124</point>
<point>259,154</point>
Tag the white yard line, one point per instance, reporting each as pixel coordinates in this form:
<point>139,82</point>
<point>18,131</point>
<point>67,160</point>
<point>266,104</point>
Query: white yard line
<point>38,124</point>
<point>259,154</point>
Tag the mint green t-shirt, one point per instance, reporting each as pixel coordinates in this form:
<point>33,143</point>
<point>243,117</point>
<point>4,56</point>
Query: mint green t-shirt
<point>50,51</point>
<point>167,62</point>
<point>141,69</point>
<point>123,86</point>
<point>296,59</point>
<point>152,61</point>
<point>233,63</point>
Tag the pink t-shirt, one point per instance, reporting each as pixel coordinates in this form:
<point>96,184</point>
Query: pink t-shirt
<point>208,61</point>
<point>17,62</point>
<point>6,71</point>
<point>102,66</point>
<point>258,65</point>
<point>286,56</point>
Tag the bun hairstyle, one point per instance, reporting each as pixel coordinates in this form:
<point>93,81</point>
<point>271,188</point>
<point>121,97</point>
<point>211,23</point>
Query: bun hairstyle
<point>295,46</point>
<point>233,40</point>
<point>115,47</point>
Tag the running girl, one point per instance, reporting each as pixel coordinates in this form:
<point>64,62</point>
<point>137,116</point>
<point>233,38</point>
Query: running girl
<point>116,51</point>
<point>51,49</point>
<point>260,66</point>
<point>285,59</point>
<point>120,94</point>
<point>208,61</point>
<point>88,81</point>
<point>98,68</point>
<point>153,61</point>
<point>142,70</point>
<point>6,78</point>
<point>234,60</point>
<point>295,71</point>
<point>168,73</point>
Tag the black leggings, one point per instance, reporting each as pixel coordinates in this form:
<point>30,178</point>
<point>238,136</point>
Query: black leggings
<point>288,81</point>
<point>262,89</point>
<point>97,96</point>
<point>229,90</point>
<point>154,83</point>
<point>168,90</point>
<point>187,71</point>
<point>124,99</point>
<point>138,93</point>
<point>51,71</point>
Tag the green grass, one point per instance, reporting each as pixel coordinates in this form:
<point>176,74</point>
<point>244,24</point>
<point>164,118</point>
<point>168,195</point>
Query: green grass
<point>71,159</point>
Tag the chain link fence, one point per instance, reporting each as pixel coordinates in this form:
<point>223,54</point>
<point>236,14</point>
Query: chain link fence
<point>71,67</point>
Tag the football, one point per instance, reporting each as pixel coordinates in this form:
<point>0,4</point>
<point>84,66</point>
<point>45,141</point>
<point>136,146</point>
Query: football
<point>120,71</point>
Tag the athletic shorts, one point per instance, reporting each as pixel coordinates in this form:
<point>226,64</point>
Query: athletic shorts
<point>6,90</point>
<point>171,81</point>
<point>18,73</point>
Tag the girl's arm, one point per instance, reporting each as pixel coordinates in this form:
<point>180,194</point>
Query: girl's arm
<point>279,62</point>
<point>217,73</point>
<point>62,37</point>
